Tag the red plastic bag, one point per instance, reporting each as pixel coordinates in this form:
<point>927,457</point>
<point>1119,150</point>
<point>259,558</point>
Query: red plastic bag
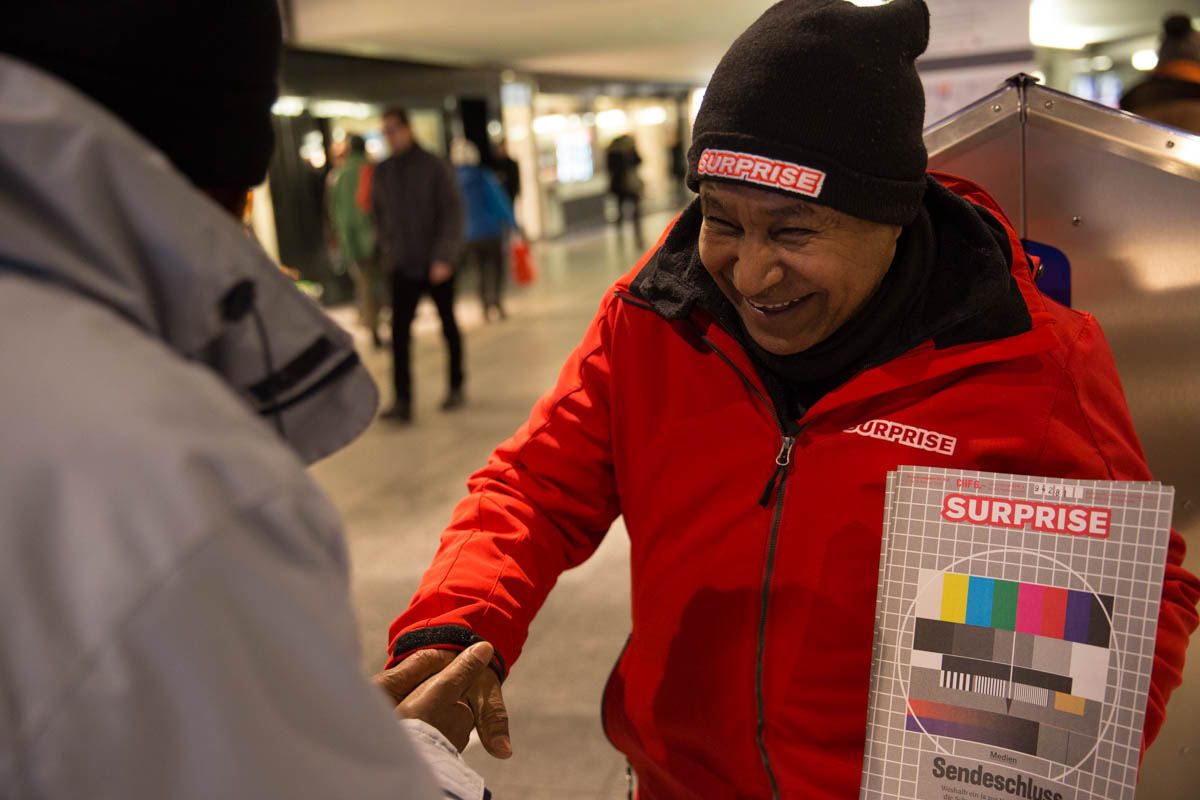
<point>524,271</point>
<point>362,197</point>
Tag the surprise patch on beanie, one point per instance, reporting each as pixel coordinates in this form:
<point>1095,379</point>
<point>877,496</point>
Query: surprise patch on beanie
<point>821,99</point>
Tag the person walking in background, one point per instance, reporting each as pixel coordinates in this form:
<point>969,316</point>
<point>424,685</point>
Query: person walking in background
<point>489,218</point>
<point>354,229</point>
<point>625,184</point>
<point>419,221</point>
<point>677,158</point>
<point>508,172</point>
<point>1171,95</point>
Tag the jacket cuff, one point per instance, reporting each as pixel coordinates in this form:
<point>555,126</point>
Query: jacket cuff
<point>442,637</point>
<point>454,777</point>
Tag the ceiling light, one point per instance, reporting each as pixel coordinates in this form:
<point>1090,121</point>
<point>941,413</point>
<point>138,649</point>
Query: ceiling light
<point>1048,27</point>
<point>1144,60</point>
<point>551,123</point>
<point>335,109</point>
<point>611,118</point>
<point>654,115</point>
<point>288,106</point>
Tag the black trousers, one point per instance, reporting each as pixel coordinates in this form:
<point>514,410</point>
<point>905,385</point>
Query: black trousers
<point>405,296</point>
<point>489,255</point>
<point>636,202</point>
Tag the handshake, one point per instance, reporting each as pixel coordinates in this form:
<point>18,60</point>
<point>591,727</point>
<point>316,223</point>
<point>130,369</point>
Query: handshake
<point>453,692</point>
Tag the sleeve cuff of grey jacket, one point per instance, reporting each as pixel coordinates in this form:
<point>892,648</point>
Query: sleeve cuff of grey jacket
<point>453,776</point>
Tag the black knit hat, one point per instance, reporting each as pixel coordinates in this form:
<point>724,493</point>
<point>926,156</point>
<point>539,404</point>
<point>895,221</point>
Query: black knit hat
<point>195,77</point>
<point>821,99</point>
<point>1179,40</point>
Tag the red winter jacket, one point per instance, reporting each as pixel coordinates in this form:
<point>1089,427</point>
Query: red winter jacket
<point>752,625</point>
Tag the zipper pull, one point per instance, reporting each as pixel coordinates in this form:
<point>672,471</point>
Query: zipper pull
<point>785,451</point>
<point>781,464</point>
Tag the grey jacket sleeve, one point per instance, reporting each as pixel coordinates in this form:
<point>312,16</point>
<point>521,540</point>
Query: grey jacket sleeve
<point>235,676</point>
<point>448,226</point>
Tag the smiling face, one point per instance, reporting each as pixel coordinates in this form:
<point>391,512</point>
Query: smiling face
<point>795,271</point>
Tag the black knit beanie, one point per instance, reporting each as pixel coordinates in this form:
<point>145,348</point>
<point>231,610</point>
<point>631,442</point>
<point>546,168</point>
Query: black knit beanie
<point>820,99</point>
<point>1179,40</point>
<point>195,77</point>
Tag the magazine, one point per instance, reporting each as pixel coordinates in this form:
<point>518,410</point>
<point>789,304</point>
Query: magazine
<point>1014,636</point>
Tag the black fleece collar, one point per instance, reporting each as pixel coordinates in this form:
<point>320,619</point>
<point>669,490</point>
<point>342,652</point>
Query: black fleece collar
<point>955,253</point>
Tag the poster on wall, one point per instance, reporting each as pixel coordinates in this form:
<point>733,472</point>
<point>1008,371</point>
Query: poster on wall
<point>950,90</point>
<point>973,27</point>
<point>974,46</point>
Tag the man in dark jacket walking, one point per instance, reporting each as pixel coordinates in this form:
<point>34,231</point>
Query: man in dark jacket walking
<point>419,220</point>
<point>624,184</point>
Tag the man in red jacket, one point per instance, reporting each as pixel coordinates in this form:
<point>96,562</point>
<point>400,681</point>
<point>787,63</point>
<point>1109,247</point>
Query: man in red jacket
<point>821,282</point>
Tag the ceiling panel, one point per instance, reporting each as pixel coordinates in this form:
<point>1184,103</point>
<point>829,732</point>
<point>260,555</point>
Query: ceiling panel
<point>655,39</point>
<point>673,40</point>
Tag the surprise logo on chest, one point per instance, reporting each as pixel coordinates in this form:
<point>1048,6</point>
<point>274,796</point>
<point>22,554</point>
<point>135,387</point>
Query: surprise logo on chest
<point>907,435</point>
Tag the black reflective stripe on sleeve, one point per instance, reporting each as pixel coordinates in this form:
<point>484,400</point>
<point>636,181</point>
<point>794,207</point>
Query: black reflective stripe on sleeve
<point>337,373</point>
<point>445,636</point>
<point>286,378</point>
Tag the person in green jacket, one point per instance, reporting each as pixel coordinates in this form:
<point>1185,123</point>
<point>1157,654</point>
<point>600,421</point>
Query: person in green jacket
<point>349,212</point>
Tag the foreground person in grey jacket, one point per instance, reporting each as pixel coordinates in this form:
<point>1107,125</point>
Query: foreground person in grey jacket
<point>176,620</point>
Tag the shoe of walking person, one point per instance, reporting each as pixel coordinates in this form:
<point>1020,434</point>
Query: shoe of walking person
<point>453,400</point>
<point>399,412</point>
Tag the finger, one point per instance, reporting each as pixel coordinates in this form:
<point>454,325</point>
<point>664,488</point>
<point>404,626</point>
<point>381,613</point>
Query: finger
<point>461,721</point>
<point>453,682</point>
<point>491,715</point>
<point>410,673</point>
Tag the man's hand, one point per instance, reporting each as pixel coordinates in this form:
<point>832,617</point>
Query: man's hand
<point>440,272</point>
<point>453,694</point>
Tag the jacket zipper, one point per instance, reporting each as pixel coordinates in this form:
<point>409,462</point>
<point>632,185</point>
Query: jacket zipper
<point>776,485</point>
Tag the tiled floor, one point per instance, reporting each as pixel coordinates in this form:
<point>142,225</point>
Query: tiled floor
<point>395,487</point>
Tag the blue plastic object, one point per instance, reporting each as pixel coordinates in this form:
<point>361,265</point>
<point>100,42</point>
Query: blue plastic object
<point>1054,278</point>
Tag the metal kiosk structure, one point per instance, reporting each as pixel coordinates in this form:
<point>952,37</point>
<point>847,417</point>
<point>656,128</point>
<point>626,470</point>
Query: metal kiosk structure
<point>1117,199</point>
